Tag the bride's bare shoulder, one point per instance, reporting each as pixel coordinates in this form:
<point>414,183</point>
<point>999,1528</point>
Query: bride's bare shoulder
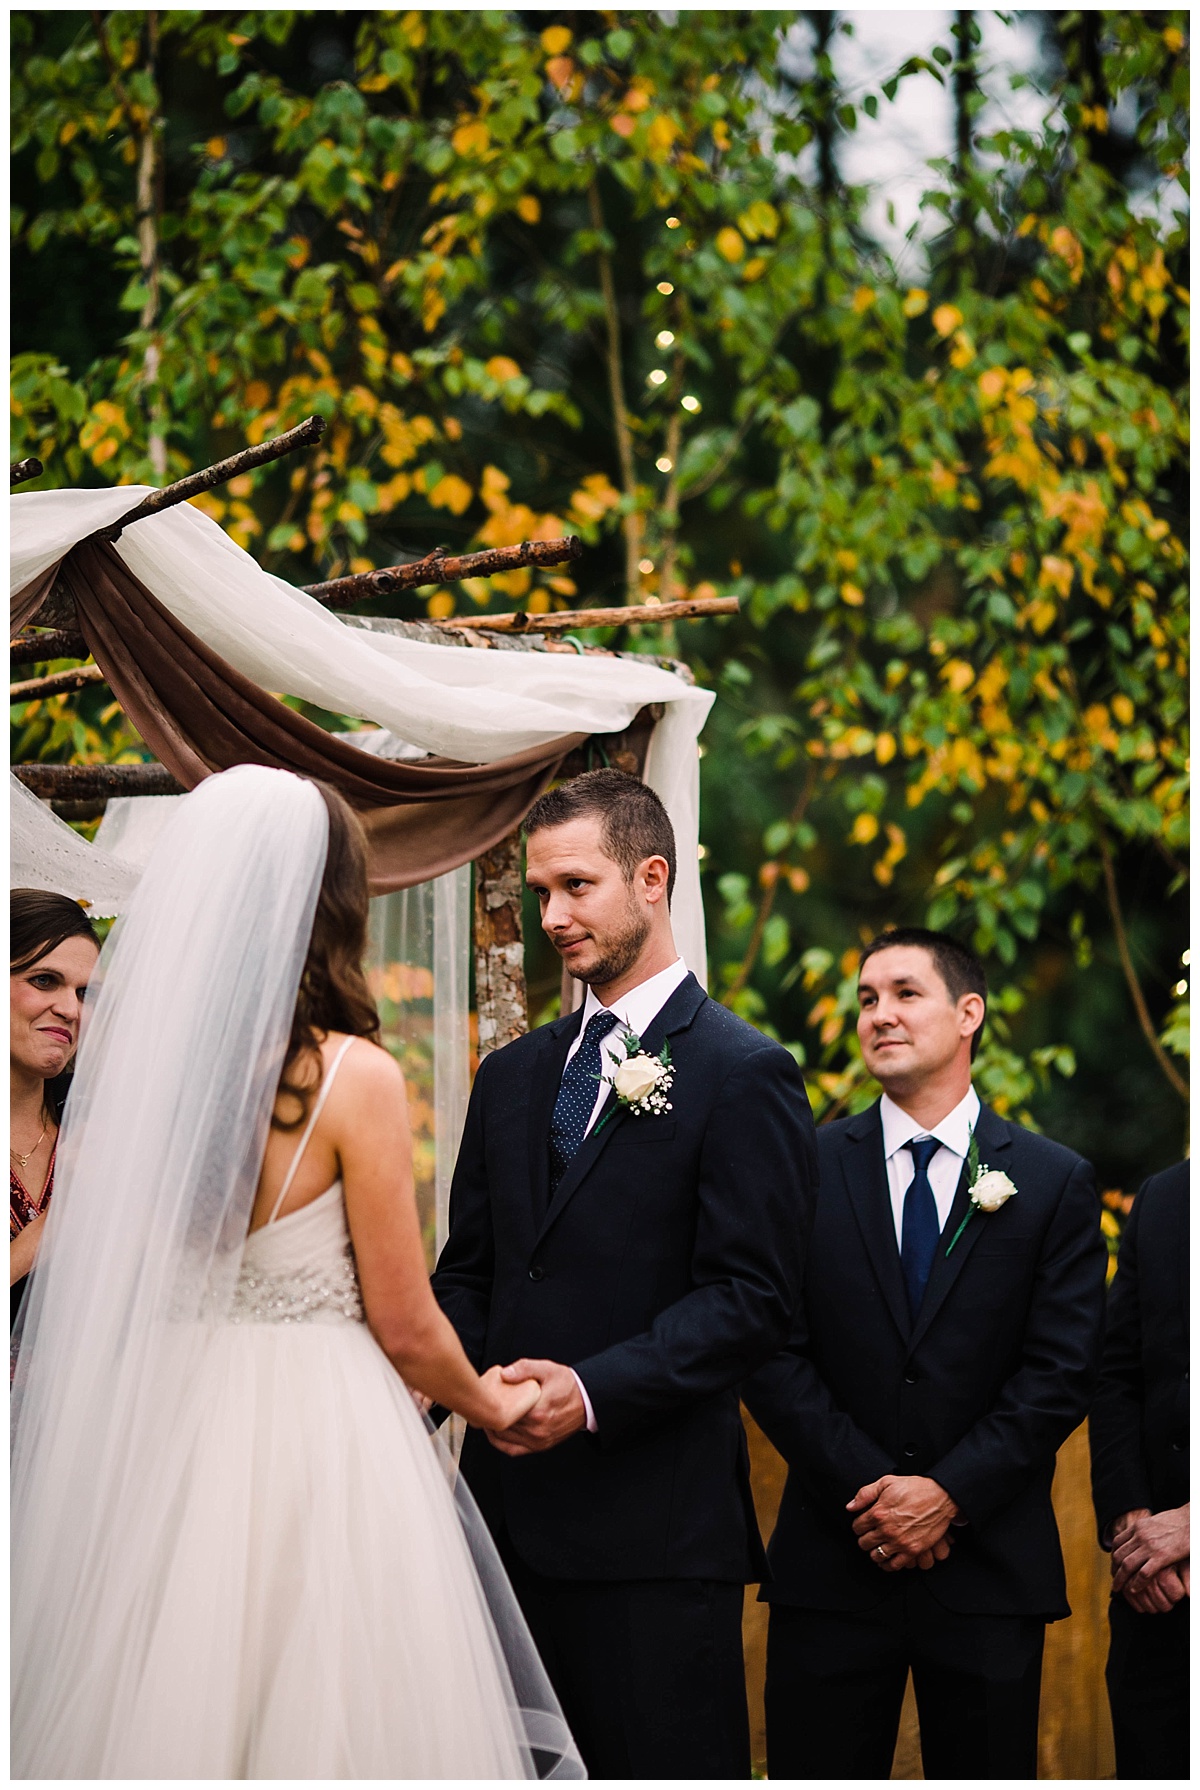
<point>366,1068</point>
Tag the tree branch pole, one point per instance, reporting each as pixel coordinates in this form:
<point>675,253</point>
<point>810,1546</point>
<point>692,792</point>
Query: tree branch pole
<point>670,508</point>
<point>147,234</point>
<point>96,782</point>
<point>440,568</point>
<point>500,996</point>
<point>54,643</point>
<point>303,435</point>
<point>56,683</point>
<point>1131,976</point>
<point>19,471</point>
<point>616,388</point>
<point>561,621</point>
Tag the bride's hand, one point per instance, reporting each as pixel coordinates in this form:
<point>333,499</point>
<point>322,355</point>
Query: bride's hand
<point>510,1403</point>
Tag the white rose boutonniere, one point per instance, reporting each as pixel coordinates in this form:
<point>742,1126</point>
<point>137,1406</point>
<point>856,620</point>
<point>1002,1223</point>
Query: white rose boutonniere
<point>642,1082</point>
<point>989,1190</point>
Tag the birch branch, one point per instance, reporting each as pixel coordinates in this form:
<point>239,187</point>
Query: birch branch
<point>56,683</point>
<point>560,621</point>
<point>438,568</point>
<point>303,435</point>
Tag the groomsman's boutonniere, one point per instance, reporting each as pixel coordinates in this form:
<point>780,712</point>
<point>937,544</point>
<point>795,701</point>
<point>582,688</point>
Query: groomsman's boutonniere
<point>989,1190</point>
<point>641,1082</point>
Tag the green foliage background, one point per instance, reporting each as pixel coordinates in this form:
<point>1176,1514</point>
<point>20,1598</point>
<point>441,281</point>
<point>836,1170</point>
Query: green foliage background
<point>601,272</point>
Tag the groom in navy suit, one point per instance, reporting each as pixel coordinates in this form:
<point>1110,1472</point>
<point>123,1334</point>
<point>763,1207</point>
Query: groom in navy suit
<point>945,1345</point>
<point>627,1224</point>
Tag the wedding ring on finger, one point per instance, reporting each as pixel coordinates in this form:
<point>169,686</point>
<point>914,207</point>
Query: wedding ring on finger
<point>882,1552</point>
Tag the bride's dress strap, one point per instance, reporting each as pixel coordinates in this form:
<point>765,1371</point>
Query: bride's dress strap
<point>308,1129</point>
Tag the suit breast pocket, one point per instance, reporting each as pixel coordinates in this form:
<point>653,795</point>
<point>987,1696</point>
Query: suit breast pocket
<point>1004,1246</point>
<point>645,1131</point>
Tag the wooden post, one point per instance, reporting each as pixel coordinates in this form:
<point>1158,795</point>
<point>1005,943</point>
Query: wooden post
<point>499,946</point>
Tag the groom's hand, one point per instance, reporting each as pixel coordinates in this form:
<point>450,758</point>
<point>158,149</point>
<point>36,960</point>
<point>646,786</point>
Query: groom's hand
<point>558,1413</point>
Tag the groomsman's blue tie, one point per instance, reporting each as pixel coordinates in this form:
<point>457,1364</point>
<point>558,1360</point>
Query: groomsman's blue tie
<point>919,1229</point>
<point>577,1096</point>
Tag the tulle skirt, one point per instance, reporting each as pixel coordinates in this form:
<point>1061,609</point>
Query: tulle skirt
<point>313,1608</point>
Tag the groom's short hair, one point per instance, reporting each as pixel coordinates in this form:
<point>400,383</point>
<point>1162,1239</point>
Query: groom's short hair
<point>960,968</point>
<point>634,824</point>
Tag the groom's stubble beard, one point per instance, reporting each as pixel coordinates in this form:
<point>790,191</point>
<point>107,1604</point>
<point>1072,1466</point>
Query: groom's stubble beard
<point>617,951</point>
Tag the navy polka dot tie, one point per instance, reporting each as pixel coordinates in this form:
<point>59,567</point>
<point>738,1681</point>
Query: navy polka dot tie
<point>577,1096</point>
<point>919,1228</point>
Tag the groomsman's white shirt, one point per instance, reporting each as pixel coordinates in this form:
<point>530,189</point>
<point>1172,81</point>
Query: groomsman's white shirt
<point>636,1011</point>
<point>945,1170</point>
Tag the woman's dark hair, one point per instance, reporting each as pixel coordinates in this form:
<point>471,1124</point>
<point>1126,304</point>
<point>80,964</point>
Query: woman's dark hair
<point>39,921</point>
<point>333,995</point>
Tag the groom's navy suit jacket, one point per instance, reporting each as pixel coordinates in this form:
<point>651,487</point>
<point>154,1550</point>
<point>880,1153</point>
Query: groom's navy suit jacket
<point>978,1393</point>
<point>664,1269</point>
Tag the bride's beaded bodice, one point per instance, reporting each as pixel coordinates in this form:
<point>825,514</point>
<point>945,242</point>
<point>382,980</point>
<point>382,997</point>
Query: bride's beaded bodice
<point>300,1269</point>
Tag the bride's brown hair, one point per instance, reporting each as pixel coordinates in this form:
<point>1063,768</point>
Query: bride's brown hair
<point>333,995</point>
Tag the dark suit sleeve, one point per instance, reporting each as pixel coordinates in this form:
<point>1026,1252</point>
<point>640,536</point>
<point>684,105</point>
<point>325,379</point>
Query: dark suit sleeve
<point>462,1280</point>
<point>799,1414</point>
<point>755,1194</point>
<point>1120,1473</point>
<point>1047,1397</point>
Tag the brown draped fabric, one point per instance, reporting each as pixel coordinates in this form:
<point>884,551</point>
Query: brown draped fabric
<point>200,715</point>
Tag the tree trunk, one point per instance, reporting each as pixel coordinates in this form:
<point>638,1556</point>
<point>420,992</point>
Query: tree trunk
<point>616,391</point>
<point>147,235</point>
<point>499,946</point>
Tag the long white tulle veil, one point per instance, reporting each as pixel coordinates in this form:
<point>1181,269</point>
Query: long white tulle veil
<point>185,1032</point>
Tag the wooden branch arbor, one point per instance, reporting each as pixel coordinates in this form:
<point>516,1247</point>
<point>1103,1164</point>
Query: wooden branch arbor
<point>81,792</point>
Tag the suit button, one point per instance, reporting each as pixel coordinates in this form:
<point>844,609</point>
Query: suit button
<point>537,1272</point>
<point>910,1379</point>
<point>910,1454</point>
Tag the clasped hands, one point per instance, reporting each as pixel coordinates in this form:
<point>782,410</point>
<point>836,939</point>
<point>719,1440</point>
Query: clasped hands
<point>1150,1559</point>
<point>903,1521</point>
<point>557,1413</point>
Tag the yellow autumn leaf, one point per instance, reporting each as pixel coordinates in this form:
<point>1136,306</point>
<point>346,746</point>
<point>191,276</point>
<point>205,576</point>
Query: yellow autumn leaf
<point>863,299</point>
<point>529,209</point>
<point>555,39</point>
<point>946,319</point>
<point>623,124</point>
<point>1122,708</point>
<point>916,301</point>
<point>864,829</point>
<point>729,244</point>
<point>885,748</point>
<point>991,385</point>
<point>662,133</point>
<point>451,493</point>
<point>470,138</point>
<point>850,593</point>
<point>959,675</point>
<point>500,367</point>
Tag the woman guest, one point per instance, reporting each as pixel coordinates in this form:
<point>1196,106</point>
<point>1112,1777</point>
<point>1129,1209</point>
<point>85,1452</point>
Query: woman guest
<point>53,952</point>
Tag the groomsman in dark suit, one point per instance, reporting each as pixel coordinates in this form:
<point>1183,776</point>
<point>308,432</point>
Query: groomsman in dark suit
<point>633,1229</point>
<point>1139,1430</point>
<point>946,1344</point>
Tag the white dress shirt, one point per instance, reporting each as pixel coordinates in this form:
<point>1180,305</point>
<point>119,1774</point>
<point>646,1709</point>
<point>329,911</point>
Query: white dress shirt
<point>636,1010</point>
<point>945,1170</point>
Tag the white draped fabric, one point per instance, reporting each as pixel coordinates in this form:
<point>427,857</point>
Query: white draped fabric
<point>458,702</point>
<point>45,853</point>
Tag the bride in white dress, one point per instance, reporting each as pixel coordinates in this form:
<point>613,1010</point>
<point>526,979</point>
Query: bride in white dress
<point>237,1550</point>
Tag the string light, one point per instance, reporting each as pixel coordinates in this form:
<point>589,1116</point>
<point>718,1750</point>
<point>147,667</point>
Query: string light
<point>664,338</point>
<point>1186,958</point>
<point>645,567</point>
<point>658,377</point>
<point>1180,989</point>
<point>674,223</point>
<point>664,463</point>
<point>666,288</point>
<point>689,403</point>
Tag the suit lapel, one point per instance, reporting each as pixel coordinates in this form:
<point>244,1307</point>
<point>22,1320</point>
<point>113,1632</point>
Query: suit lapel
<point>865,1174</point>
<point>993,1139</point>
<point>678,1013</point>
<point>555,1041</point>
